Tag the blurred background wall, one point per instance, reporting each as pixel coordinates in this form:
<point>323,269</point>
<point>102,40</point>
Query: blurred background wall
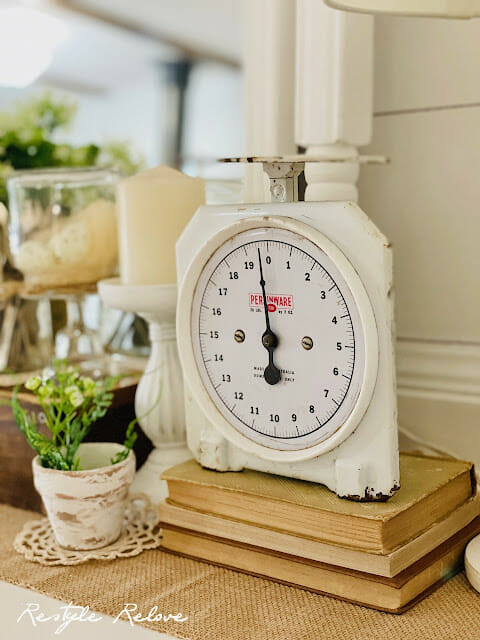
<point>124,63</point>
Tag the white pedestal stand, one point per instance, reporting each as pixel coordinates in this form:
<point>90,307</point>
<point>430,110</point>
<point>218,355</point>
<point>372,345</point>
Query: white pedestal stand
<point>159,401</point>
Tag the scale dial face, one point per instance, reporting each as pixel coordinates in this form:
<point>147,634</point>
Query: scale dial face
<point>287,376</point>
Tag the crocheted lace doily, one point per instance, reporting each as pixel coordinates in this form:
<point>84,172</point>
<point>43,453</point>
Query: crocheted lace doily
<point>140,531</point>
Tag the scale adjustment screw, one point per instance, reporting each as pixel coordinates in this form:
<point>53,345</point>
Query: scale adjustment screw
<point>239,335</point>
<point>278,192</point>
<point>307,343</point>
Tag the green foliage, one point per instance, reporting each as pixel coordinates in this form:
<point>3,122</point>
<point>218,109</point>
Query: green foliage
<point>28,140</point>
<point>71,403</point>
<point>131,436</point>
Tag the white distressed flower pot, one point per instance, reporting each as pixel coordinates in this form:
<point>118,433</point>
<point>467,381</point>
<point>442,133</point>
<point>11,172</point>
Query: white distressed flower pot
<point>86,508</point>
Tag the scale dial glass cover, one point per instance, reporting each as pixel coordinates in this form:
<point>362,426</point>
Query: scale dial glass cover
<point>320,342</point>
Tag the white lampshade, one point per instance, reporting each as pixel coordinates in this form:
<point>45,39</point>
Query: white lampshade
<point>434,8</point>
<point>28,39</point>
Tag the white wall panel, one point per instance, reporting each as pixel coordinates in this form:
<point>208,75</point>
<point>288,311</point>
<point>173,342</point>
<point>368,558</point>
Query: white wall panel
<point>427,201</point>
<point>425,62</point>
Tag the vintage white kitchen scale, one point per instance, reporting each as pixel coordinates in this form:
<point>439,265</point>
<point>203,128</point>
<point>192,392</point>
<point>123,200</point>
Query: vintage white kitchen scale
<point>285,334</point>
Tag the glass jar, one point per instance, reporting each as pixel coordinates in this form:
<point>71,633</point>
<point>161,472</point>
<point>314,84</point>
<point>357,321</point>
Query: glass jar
<point>63,227</point>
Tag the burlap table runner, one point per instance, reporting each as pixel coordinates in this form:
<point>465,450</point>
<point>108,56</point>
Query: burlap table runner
<point>224,605</point>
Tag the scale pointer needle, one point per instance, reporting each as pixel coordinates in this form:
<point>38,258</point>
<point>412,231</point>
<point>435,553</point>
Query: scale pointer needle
<point>269,339</point>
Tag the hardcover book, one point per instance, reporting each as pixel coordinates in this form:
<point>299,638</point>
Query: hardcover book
<point>393,595</point>
<point>431,489</point>
<point>388,565</point>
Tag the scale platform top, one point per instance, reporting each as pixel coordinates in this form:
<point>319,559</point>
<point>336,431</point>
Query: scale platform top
<point>284,171</point>
<point>300,158</point>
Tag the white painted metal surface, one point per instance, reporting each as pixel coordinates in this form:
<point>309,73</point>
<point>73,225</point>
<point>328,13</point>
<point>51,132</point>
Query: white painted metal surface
<point>365,464</point>
<point>333,104</point>
<point>291,245</point>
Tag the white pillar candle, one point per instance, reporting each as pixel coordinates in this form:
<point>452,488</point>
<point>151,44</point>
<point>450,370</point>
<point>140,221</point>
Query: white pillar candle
<point>154,207</point>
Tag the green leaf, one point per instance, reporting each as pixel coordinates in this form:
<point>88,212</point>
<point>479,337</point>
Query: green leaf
<point>131,436</point>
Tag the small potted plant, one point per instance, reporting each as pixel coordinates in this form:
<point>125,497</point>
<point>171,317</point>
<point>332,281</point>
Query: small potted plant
<point>84,486</point>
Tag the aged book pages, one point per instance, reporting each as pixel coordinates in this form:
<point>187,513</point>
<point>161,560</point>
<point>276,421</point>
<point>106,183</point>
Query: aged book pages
<point>384,565</point>
<point>431,489</point>
<point>388,594</point>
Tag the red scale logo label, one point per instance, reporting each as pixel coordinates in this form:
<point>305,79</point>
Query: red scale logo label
<point>274,301</point>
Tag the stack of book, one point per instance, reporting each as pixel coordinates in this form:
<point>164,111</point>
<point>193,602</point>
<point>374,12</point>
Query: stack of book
<point>383,555</point>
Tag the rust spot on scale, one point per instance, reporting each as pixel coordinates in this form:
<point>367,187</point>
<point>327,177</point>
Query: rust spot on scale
<point>377,497</point>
